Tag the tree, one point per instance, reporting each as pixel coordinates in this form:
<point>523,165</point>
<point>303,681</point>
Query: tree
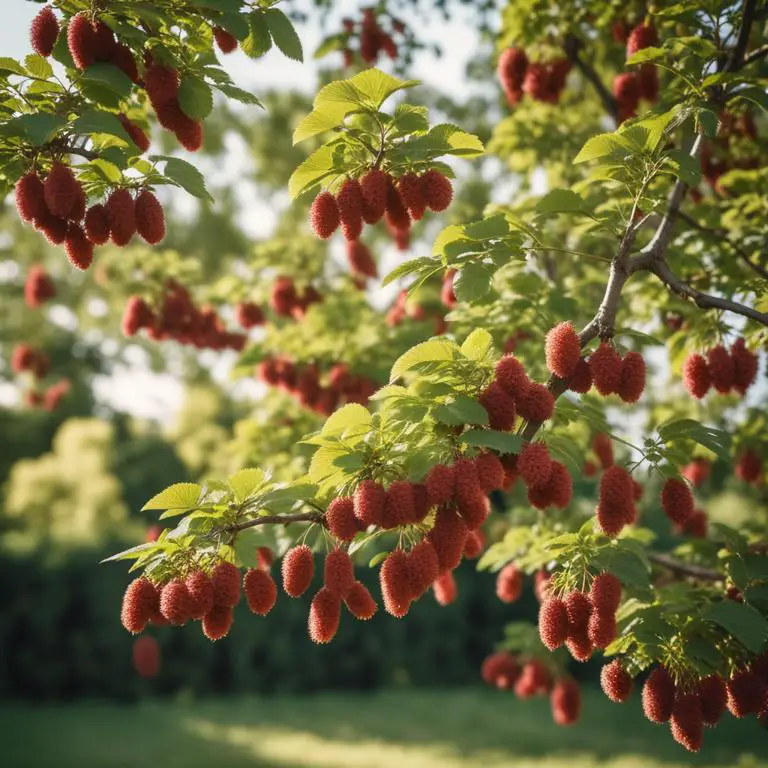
<point>648,236</point>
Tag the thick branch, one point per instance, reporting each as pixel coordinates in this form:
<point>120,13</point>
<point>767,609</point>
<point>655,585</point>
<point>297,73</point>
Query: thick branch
<point>682,568</point>
<point>736,59</point>
<point>753,56</point>
<point>298,517</point>
<point>573,46</point>
<point>86,153</point>
<point>721,234</point>
<point>704,300</point>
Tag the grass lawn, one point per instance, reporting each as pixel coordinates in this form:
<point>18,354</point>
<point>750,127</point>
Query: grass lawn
<point>402,729</point>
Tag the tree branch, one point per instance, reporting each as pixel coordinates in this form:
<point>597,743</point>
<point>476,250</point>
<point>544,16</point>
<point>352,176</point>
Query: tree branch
<point>681,568</point>
<point>572,47</point>
<point>81,152</point>
<point>703,300</point>
<point>298,517</point>
<point>753,56</point>
<point>736,59</point>
<point>721,234</point>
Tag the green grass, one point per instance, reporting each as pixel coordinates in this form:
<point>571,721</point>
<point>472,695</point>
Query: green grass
<point>406,729</point>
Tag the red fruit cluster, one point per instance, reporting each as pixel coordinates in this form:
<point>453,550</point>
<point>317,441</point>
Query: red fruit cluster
<point>375,195</point>
<point>696,472</point>
<point>722,370</point>
<point>249,315</point>
<point>677,501</point>
<point>26,359</point>
<point>304,383</point>
<point>549,483</point>
<point>749,467</point>
<point>539,80</point>
<point>616,682</point>
<point>38,287</point>
<point>404,308</point>
<point>603,449</point>
<point>373,38</point>
<point>562,350</point>
<point>179,319</point>
<point>92,42</point>
<point>615,507</point>
<point>509,583</point>
<point>511,69</point>
<point>613,375</point>
<point>286,300</point>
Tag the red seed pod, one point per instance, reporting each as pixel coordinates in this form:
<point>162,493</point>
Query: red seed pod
<point>437,189</point>
<point>137,136</point>
<point>360,602</point>
<point>696,376</point>
<point>445,589</point>
<point>499,406</point>
<point>560,485</point>
<point>44,31</point>
<point>581,379</point>
<point>137,315</point>
<point>642,36</point>
<point>616,682</point>
<point>423,568</point>
<point>473,505</point>
<point>721,369</point>
<point>122,58</point>
<point>658,696</point>
<point>140,602</point>
<point>611,520</point>
<point>226,584</point>
<point>150,219</point>
<point>605,593</point>
<point>341,518</point>
<point>81,40</point>
<point>421,502</point>
<point>200,588</point>
<point>537,404</point>
<point>396,214</point>
<point>78,248</point>
<point>511,375</point>
<point>360,259</point>
<point>189,133</point>
<point>217,622</point>
<point>540,496</point>
<point>413,195</point>
<point>602,629</point>
<point>749,467</point>
<point>338,572</point>
<point>398,505</point>
<point>121,216</point>
<point>265,557</point>
<point>62,190</point>
<point>298,568</point>
<point>553,623</point>
<point>534,465</point>
<point>713,695</point>
<point>38,287</point>
<point>369,501</point>
<point>562,350</point>
<point>374,185</point>
<point>616,489</point>
<point>632,382</point>
<point>324,616</point>
<point>744,366</point>
<point>687,721</point>
<point>565,701</point>
<point>260,591</point>
<point>648,80</point>
<point>176,603</point>
<point>500,670</point>
<point>626,91</point>
<point>395,585</point>
<point>603,448</point>
<point>145,656</point>
<point>580,648</point>
<point>677,501</point>
<point>534,680</point>
<point>162,84</point>
<point>509,583</point>
<point>324,215</point>
<point>589,469</point>
<point>441,484</point>
<point>490,472</point>
<point>349,200</point>
<point>249,315</point>
<point>605,365</point>
<point>511,69</point>
<point>54,228</point>
<point>97,224</point>
<point>448,536</point>
<point>579,612</point>
<point>746,693</point>
<point>226,41</point>
<point>30,197</point>
<point>697,472</point>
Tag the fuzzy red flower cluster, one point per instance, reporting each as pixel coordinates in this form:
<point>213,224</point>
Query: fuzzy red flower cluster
<point>749,467</point>
<point>38,287</point>
<point>721,370</point>
<point>542,81</point>
<point>374,39</point>
<point>404,308</point>
<point>612,374</point>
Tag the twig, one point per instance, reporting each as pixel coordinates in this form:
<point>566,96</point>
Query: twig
<point>682,568</point>
<point>298,517</point>
<point>572,47</point>
<point>753,56</point>
<point>703,300</point>
<point>721,234</point>
<point>86,153</point>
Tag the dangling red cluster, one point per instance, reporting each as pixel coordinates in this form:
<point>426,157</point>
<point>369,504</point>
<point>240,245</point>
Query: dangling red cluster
<point>249,315</point>
<point>696,472</point>
<point>677,501</point>
<point>48,399</point>
<point>374,39</point>
<point>615,507</point>
<point>722,370</point>
<point>749,467</point>
<point>403,309</point>
<point>225,41</point>
<point>375,195</point>
<point>304,383</point>
<point>26,359</point>
<point>145,657</point>
<point>38,287</point>
<point>179,319</point>
<point>612,374</point>
<point>542,81</point>
<point>286,300</point>
<point>92,42</point>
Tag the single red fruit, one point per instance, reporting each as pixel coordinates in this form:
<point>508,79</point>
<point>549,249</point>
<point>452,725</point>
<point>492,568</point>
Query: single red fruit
<point>473,505</point>
<point>749,467</point>
<point>602,629</point>
<point>121,216</point>
<point>500,670</point>
<point>423,568</point>
<point>696,376</point>
<point>642,36</point>
<point>579,612</point>
<point>38,287</point>
<point>605,593</point>
<point>441,484</point>
<point>217,622</point>
<point>298,568</point>
<point>137,315</point>
<point>122,57</point>
<point>560,485</point>
<point>150,219</point>
<point>226,585</point>
<point>97,224</point>
<point>437,190</point>
<point>140,602</point>
<point>324,215</point>
<point>746,693</point>
<point>714,699</point>
<point>137,136</point>
<point>511,375</point>
<point>648,80</point>
<point>581,379</point>
<point>511,70</point>
<point>226,41</point>
<point>145,656</point>
<point>44,31</point>
<point>565,701</point>
<point>30,197</point>
<point>260,591</point>
<point>534,679</point>
<point>509,583</point>
<point>677,501</point>
<point>744,366</point>
<point>78,248</point>
<point>200,588</point>
<point>632,383</point>
<point>697,472</point>
<point>349,200</point>
<point>81,40</point>
<point>445,589</point>
<point>537,404</point>
<point>448,536</point>
<point>721,370</point>
<point>62,190</point>
<point>490,472</point>
<point>395,586</point>
<point>374,185</point>
<point>603,448</point>
<point>616,682</point>
<point>324,616</point>
<point>605,365</point>
<point>562,350</point>
<point>360,602</point>
<point>412,192</point>
<point>176,603</point>
<point>162,84</point>
<point>553,623</point>
<point>360,258</point>
<point>659,696</point>
<point>396,213</point>
<point>534,464</point>
<point>687,721</point>
<point>249,315</point>
<point>340,517</point>
<point>499,406</point>
<point>338,572</point>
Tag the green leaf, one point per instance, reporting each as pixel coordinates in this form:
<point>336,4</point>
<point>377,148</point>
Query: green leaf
<point>38,66</point>
<point>177,496</point>
<point>741,621</point>
<point>461,410</point>
<point>238,94</point>
<point>375,87</point>
<point>716,440</point>
<point>427,351</point>
<point>187,177</point>
<point>246,547</point>
<point>602,145</point>
<point>493,227</point>
<point>472,282</point>
<point>561,201</point>
<point>110,77</point>
<point>477,345</point>
<point>318,166</point>
<point>259,41</point>
<point>352,416</point>
<point>411,266</point>
<point>646,55</point>
<point>40,127</point>
<point>195,97</point>
<point>96,121</point>
<point>245,482</point>
<point>756,96</point>
<point>284,34</point>
<point>8,64</point>
<point>379,557</point>
<point>503,442</point>
<point>450,234</point>
<point>686,167</point>
<point>135,552</point>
